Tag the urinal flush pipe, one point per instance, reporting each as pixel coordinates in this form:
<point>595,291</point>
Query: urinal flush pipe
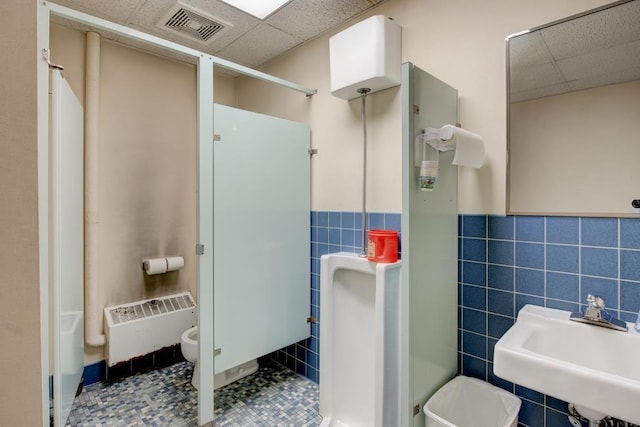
<point>363,94</point>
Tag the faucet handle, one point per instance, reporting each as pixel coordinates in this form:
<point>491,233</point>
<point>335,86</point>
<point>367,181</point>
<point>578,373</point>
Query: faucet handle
<point>594,301</point>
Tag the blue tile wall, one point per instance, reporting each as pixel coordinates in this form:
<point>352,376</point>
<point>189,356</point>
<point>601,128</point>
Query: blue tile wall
<point>507,262</point>
<point>330,232</point>
<point>94,373</point>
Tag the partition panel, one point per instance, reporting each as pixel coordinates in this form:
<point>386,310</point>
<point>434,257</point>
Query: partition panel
<point>67,244</point>
<point>429,245</point>
<point>261,225</point>
<point>205,240</point>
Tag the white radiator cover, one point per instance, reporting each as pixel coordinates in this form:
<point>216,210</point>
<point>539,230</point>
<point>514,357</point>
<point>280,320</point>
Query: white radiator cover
<point>142,327</point>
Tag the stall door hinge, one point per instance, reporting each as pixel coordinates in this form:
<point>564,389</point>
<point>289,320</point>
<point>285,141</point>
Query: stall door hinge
<point>217,351</point>
<point>217,137</point>
<point>416,109</point>
<point>312,151</point>
<point>199,249</point>
<point>312,319</point>
<point>416,410</point>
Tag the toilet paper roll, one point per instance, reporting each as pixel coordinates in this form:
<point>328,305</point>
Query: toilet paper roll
<point>469,148</point>
<point>175,263</point>
<point>155,265</point>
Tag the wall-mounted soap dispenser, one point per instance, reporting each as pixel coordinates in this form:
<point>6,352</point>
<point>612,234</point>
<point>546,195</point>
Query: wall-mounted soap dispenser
<point>468,146</point>
<point>429,166</point>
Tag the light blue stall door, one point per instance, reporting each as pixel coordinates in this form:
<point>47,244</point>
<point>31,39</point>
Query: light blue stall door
<point>261,234</point>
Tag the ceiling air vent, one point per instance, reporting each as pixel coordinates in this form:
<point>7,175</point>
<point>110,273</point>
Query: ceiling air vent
<point>193,23</point>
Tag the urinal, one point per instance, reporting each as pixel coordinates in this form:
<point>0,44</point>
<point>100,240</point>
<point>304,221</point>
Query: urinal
<point>359,342</point>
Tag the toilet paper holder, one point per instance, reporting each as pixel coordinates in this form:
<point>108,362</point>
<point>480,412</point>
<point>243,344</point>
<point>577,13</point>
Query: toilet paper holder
<point>162,265</point>
<point>468,146</point>
<point>446,138</point>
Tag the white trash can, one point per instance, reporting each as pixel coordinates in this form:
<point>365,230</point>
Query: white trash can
<point>468,402</point>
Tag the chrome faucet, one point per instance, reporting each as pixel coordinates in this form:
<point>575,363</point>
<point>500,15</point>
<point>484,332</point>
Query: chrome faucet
<point>595,305</point>
<point>595,314</point>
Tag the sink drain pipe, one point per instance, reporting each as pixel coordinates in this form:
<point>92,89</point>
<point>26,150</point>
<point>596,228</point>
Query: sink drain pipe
<point>576,419</point>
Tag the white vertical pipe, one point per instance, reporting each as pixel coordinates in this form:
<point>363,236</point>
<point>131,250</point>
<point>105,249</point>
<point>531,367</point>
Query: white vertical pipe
<point>93,312</point>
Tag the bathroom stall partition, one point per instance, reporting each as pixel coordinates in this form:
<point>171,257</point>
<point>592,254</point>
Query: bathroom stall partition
<point>429,247</point>
<point>205,212</point>
<point>261,197</point>
<point>67,245</point>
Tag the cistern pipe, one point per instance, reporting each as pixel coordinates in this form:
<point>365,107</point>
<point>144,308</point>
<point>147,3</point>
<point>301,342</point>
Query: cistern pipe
<point>93,313</point>
<point>363,94</point>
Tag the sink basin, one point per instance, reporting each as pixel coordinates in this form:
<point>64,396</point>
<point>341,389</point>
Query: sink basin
<point>590,366</point>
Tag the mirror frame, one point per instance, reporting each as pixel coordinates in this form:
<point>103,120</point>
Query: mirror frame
<point>508,40</point>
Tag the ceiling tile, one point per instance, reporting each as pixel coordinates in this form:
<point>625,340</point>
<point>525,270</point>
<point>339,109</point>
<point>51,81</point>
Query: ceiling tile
<point>539,75</point>
<point>115,11</point>
<point>259,45</point>
<point>307,18</point>
<point>596,49</point>
<point>607,79</point>
<point>609,27</point>
<point>528,49</point>
<point>249,41</point>
<point>153,11</point>
<point>601,62</point>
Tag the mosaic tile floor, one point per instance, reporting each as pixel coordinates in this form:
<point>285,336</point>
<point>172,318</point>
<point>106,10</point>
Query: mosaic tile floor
<point>273,396</point>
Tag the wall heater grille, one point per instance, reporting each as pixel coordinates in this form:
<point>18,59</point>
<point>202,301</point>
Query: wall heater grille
<point>150,308</point>
<point>143,327</point>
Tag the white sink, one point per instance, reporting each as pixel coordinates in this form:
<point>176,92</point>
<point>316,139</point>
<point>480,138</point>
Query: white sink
<point>590,366</point>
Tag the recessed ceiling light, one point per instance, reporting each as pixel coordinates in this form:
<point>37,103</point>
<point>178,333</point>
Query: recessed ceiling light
<point>258,8</point>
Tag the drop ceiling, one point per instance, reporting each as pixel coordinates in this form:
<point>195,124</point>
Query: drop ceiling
<point>593,50</point>
<point>245,40</point>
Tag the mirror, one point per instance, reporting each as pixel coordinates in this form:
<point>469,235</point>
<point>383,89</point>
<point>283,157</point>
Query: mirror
<point>573,89</point>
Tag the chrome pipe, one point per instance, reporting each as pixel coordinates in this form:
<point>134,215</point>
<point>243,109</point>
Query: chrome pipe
<point>363,94</point>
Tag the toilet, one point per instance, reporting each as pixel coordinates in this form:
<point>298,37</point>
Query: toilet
<point>189,348</point>
<point>360,342</point>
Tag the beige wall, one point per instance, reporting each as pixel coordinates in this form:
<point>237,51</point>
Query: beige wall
<point>459,42</point>
<point>147,190</point>
<point>147,193</point>
<point>224,89</point>
<point>576,152</point>
<point>147,174</point>
<point>20,371</point>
